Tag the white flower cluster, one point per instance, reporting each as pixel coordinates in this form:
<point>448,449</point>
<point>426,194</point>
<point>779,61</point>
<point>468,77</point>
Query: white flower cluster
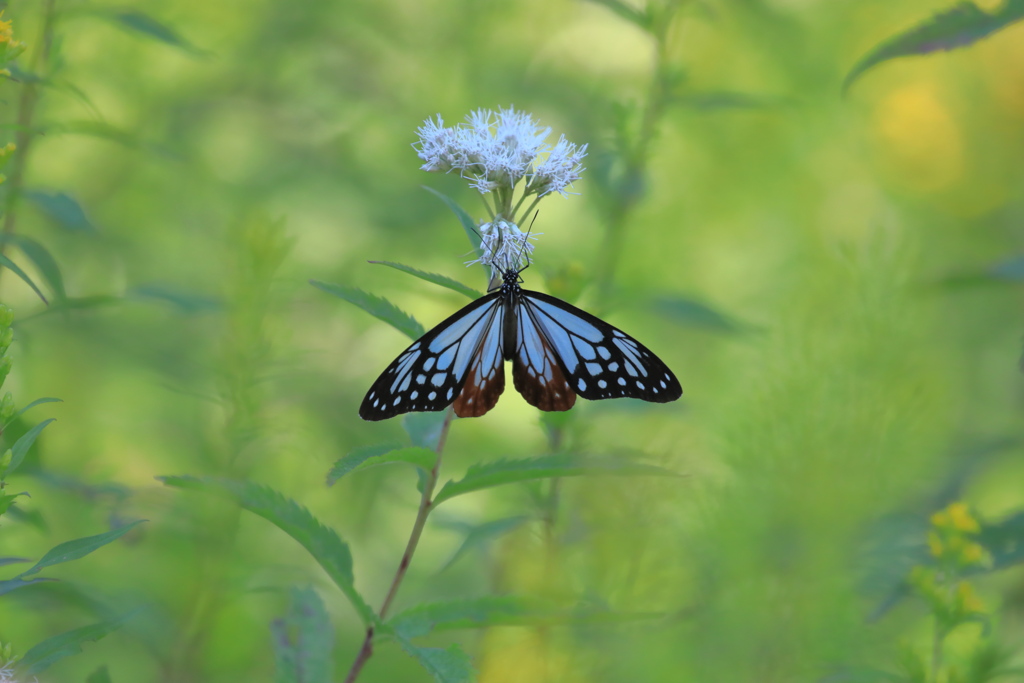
<point>496,150</point>
<point>503,247</point>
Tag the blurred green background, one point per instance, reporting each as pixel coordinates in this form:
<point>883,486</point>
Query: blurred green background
<point>863,372</point>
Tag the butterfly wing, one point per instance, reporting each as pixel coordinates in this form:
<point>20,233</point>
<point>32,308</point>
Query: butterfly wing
<point>595,359</point>
<point>536,371</point>
<point>458,361</point>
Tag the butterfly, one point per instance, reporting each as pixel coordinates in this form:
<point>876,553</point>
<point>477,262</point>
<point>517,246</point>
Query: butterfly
<point>557,351</point>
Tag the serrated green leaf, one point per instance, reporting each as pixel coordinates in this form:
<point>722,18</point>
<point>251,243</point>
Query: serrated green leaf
<point>446,666</point>
<point>378,307</point>
<point>303,641</point>
<point>33,404</point>
<point>482,534</point>
<point>424,429</point>
<point>13,267</point>
<point>51,650</point>
<point>42,259</point>
<point>7,499</point>
<point>100,675</point>
<point>692,313</point>
<point>79,548</point>
<point>21,446</point>
<point>14,584</point>
<point>960,26</point>
<point>546,467</point>
<point>465,220</point>
<point>373,456</point>
<point>62,209</point>
<point>472,613</point>
<point>322,542</point>
<point>433,278</point>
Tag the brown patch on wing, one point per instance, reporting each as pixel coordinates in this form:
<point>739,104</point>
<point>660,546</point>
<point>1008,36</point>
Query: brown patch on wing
<point>552,394</point>
<point>477,397</point>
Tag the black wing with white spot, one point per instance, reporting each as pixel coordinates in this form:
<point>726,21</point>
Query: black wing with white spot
<point>432,373</point>
<point>595,359</point>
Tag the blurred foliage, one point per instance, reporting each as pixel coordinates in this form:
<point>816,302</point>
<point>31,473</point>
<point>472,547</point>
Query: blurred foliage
<point>181,170</point>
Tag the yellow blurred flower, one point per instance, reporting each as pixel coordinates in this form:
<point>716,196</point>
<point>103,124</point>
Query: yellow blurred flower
<point>961,519</point>
<point>6,31</point>
<point>967,600</point>
<point>956,517</point>
<point>935,544</point>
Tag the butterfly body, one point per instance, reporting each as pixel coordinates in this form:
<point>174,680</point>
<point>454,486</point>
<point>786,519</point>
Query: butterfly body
<point>557,351</point>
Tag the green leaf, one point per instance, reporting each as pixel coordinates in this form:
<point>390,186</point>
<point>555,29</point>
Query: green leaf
<point>62,209</point>
<point>424,429</point>
<point>505,610</point>
<point>434,278</point>
<point>43,260</point>
<point>184,301</point>
<point>51,650</point>
<point>482,534</point>
<point>73,304</point>
<point>79,548</point>
<point>691,313</point>
<point>326,547</point>
<point>15,584</point>
<point>4,561</point>
<point>546,467</point>
<point>960,26</point>
<point>149,27</point>
<point>376,306</point>
<point>96,129</point>
<point>11,265</point>
<point>21,446</point>
<point>100,675</point>
<point>7,499</point>
<point>303,641</point>
<point>467,222</point>
<point>627,12</point>
<point>725,100</point>
<point>33,404</point>
<point>373,456</point>
<point>446,666</point>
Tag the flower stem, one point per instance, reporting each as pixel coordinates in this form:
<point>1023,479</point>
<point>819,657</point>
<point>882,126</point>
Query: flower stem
<point>527,212</point>
<point>636,157</point>
<point>26,109</point>
<point>410,547</point>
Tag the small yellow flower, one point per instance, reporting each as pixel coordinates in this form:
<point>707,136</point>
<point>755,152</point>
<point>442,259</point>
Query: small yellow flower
<point>961,519</point>
<point>6,32</point>
<point>967,599</point>
<point>935,544</point>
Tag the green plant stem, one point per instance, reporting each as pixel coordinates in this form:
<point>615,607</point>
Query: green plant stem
<point>27,100</point>
<point>426,504</point>
<point>937,640</point>
<point>636,158</point>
